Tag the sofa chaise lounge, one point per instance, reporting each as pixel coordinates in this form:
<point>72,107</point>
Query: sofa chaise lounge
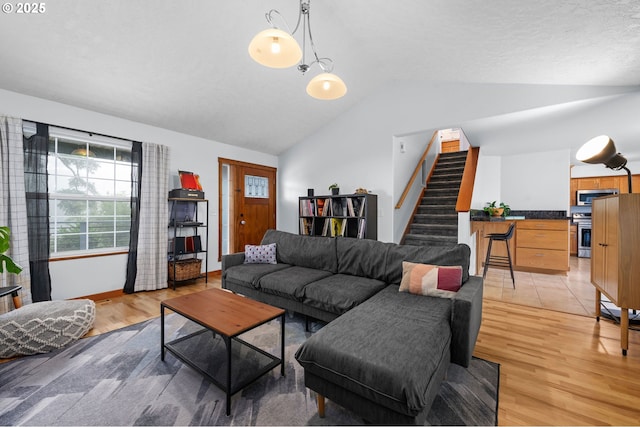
<point>383,353</point>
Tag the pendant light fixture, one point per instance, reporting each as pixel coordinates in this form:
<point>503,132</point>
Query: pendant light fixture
<point>277,48</point>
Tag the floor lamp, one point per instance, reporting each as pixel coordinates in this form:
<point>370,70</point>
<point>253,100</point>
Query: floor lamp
<point>601,149</point>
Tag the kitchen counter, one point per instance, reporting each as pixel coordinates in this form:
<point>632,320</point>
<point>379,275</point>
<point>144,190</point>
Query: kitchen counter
<point>540,242</point>
<point>479,215</point>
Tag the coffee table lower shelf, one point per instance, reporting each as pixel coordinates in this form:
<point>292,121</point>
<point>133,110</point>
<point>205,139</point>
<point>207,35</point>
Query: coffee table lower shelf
<point>229,363</point>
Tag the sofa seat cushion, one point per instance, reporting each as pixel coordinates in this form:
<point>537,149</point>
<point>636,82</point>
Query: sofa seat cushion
<point>339,293</point>
<point>390,350</point>
<point>290,283</point>
<point>249,274</point>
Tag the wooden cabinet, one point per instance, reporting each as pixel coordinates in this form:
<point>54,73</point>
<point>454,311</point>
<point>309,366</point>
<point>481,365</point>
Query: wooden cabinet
<point>537,245</point>
<point>543,244</point>
<point>621,182</point>
<point>351,215</point>
<point>615,255</point>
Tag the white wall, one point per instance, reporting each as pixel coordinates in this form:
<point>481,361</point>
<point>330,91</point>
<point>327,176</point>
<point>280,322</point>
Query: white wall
<point>357,149</point>
<point>536,181</point>
<point>89,276</point>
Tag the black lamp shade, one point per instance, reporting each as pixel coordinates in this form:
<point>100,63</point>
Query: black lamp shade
<point>601,149</point>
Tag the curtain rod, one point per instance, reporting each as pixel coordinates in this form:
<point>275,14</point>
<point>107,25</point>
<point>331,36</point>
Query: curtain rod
<point>80,130</point>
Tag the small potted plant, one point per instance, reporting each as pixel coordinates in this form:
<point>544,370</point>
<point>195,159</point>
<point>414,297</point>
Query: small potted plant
<point>335,189</point>
<point>500,210</point>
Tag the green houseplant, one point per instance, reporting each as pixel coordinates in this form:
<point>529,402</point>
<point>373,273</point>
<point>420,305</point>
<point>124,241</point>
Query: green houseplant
<point>335,189</point>
<point>497,210</point>
<point>5,259</point>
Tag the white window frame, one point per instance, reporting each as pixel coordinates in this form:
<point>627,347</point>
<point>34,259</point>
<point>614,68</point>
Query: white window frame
<point>95,140</point>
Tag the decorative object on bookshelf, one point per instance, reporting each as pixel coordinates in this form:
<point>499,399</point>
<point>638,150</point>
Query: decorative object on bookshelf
<point>335,189</point>
<point>310,192</point>
<point>189,180</point>
<point>361,191</point>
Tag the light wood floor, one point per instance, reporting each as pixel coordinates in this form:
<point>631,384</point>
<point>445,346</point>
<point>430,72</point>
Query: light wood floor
<point>556,368</point>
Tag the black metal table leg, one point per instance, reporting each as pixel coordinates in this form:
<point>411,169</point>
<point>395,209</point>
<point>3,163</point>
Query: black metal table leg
<point>282,344</point>
<point>162,332</point>
<point>227,341</point>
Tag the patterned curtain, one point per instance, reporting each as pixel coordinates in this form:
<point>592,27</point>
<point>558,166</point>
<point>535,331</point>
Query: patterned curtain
<point>13,209</point>
<point>147,264</point>
<point>36,156</point>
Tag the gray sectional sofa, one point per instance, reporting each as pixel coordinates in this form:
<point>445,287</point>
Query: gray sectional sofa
<point>383,353</point>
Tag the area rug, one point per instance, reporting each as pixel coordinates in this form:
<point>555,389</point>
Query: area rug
<point>118,378</point>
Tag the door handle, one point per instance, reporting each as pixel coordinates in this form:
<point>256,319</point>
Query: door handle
<point>243,222</point>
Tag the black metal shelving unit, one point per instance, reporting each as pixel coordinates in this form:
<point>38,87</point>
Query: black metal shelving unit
<point>188,237</point>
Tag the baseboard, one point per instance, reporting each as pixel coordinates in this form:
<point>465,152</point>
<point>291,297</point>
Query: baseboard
<point>216,274</point>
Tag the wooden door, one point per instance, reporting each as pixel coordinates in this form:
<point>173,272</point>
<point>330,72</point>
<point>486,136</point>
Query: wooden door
<point>598,235</point>
<point>611,249</point>
<point>252,204</point>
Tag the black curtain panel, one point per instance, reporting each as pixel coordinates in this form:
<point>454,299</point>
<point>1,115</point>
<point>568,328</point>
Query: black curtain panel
<point>136,175</point>
<point>36,154</point>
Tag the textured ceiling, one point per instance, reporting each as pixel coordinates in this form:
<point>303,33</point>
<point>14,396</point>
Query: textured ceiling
<point>184,66</point>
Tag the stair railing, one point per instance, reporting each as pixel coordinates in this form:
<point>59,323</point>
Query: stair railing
<point>463,204</point>
<point>417,170</point>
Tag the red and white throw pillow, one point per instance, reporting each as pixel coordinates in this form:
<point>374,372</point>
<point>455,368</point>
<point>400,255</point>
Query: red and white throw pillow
<point>431,280</point>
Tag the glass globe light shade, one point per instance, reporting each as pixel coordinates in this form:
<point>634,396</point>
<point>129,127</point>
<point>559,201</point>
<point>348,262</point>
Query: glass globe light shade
<point>326,86</point>
<point>275,48</point>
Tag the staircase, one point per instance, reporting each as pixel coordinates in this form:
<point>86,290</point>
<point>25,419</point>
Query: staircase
<point>435,222</point>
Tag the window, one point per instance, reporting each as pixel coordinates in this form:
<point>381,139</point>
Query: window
<point>89,193</point>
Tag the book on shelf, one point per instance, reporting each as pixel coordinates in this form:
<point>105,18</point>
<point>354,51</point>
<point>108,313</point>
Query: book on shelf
<point>362,228</point>
<point>350,210</point>
<point>306,226</point>
<point>320,207</point>
<point>326,226</point>
<point>326,208</point>
<point>307,207</point>
<point>363,201</point>
<point>338,226</point>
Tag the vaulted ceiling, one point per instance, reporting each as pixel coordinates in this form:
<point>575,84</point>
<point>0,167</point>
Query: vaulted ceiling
<point>184,66</point>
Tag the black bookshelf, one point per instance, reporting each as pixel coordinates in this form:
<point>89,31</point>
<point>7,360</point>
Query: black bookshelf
<point>348,215</point>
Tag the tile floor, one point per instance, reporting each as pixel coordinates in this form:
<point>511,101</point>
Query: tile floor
<point>569,293</point>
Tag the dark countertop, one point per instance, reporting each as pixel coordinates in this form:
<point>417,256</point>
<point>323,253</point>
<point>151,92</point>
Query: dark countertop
<point>480,215</point>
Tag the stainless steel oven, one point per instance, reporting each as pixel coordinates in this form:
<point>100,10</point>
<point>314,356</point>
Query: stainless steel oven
<point>583,219</point>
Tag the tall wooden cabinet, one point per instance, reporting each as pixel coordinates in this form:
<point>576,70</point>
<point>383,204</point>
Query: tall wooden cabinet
<point>615,255</point>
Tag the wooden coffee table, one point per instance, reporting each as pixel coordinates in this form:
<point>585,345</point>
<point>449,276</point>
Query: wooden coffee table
<point>223,316</point>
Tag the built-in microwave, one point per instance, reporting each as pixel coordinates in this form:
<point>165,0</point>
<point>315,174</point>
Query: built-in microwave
<point>584,197</point>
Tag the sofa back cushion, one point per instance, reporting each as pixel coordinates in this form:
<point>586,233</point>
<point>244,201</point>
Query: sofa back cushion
<point>362,257</point>
<point>303,251</point>
<point>459,254</point>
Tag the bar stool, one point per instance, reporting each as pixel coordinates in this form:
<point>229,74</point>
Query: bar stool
<point>499,260</point>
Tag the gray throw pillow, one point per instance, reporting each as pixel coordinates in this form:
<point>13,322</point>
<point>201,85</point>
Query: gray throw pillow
<point>260,254</point>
